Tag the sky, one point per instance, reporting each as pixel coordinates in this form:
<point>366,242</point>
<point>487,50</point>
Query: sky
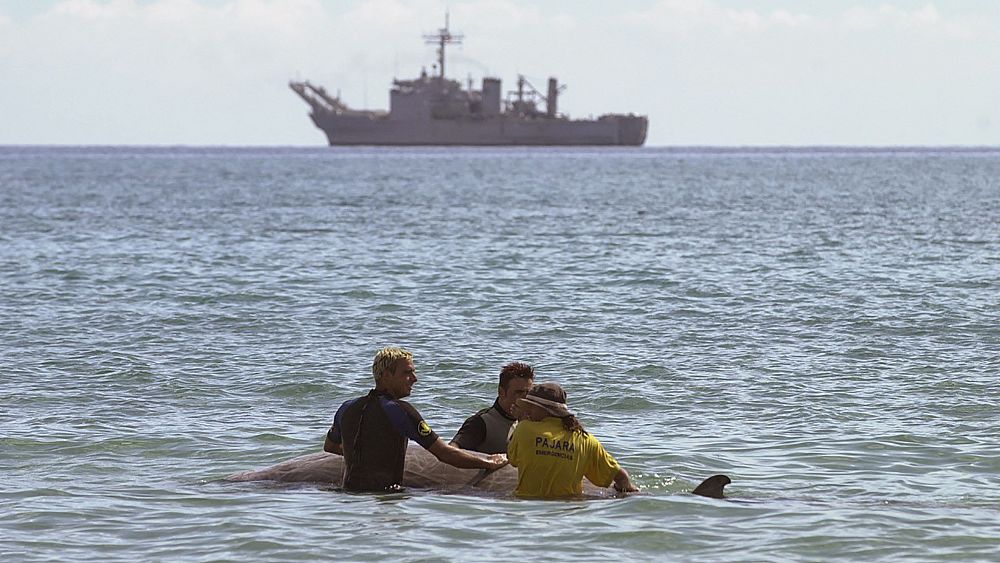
<point>706,72</point>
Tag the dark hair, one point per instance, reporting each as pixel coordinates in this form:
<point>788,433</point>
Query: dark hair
<point>516,369</point>
<point>572,424</point>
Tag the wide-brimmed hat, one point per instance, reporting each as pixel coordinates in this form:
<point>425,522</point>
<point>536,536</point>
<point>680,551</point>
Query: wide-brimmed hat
<point>549,396</point>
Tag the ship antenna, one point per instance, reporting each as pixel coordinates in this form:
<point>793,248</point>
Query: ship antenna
<point>442,38</point>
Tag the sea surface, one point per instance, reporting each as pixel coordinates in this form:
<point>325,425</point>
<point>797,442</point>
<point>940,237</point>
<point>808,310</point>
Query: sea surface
<point>821,324</point>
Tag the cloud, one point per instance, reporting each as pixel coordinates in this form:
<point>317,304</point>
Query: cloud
<point>927,21</point>
<point>709,15</point>
<point>864,17</point>
<point>685,16</point>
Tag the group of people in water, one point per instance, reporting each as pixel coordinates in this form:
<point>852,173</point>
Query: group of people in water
<point>529,426</point>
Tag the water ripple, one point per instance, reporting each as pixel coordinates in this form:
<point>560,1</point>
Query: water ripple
<point>819,324</point>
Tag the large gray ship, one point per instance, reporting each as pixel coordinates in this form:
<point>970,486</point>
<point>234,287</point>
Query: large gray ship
<point>435,110</point>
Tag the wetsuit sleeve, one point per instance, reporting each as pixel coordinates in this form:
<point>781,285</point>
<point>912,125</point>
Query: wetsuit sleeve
<point>601,466</point>
<point>333,434</point>
<point>408,422</point>
<point>471,434</point>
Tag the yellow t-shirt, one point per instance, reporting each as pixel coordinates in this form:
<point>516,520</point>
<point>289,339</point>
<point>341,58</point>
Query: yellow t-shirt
<point>552,461</point>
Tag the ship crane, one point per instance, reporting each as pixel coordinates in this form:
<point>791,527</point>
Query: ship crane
<point>317,97</point>
<point>525,101</point>
<point>441,38</point>
<point>321,102</point>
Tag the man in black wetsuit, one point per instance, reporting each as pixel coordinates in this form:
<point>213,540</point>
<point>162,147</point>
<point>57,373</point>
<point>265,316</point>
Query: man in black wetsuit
<point>488,430</point>
<point>372,431</point>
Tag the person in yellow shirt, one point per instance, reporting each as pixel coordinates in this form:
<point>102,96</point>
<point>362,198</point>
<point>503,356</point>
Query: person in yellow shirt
<point>553,453</point>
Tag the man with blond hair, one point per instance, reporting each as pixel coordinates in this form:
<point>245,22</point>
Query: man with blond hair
<point>372,431</point>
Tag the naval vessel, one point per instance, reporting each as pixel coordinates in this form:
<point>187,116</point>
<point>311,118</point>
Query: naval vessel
<point>435,110</point>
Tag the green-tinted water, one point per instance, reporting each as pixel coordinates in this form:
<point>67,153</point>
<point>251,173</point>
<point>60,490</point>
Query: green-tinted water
<point>820,325</point>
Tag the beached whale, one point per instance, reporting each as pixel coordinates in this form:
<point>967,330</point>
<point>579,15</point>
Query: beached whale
<point>423,470</point>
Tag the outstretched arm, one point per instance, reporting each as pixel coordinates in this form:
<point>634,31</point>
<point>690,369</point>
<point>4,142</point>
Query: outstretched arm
<point>463,459</point>
<point>623,484</point>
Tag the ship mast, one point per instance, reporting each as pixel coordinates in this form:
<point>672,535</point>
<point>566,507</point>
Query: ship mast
<point>442,38</point>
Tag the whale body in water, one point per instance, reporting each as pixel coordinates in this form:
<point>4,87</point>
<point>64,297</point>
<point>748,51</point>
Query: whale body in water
<point>423,470</point>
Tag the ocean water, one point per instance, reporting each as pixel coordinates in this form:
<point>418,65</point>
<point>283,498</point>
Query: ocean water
<point>823,325</point>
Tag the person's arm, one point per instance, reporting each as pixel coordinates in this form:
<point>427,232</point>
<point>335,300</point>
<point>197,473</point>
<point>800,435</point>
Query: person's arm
<point>334,442</point>
<point>408,422</point>
<point>603,470</point>
<point>471,434</point>
<point>333,447</point>
<point>623,484</point>
<point>464,460</point>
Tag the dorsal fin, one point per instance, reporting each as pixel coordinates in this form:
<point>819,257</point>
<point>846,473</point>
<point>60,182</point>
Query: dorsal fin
<point>713,486</point>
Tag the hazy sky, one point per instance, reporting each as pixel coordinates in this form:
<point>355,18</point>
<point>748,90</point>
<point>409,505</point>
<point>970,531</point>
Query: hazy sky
<point>706,72</point>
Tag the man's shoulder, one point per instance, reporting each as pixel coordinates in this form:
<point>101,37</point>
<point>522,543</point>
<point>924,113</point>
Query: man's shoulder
<point>400,402</point>
<point>479,414</point>
<point>349,403</point>
<point>402,405</point>
<point>550,426</point>
<point>526,426</point>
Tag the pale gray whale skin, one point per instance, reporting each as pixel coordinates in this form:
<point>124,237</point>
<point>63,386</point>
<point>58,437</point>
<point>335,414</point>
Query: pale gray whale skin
<point>424,471</point>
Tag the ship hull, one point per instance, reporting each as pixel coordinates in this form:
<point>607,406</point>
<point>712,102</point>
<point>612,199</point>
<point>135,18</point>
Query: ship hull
<point>612,130</point>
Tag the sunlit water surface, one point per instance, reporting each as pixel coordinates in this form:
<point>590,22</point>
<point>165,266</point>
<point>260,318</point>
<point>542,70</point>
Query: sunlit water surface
<point>822,325</point>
